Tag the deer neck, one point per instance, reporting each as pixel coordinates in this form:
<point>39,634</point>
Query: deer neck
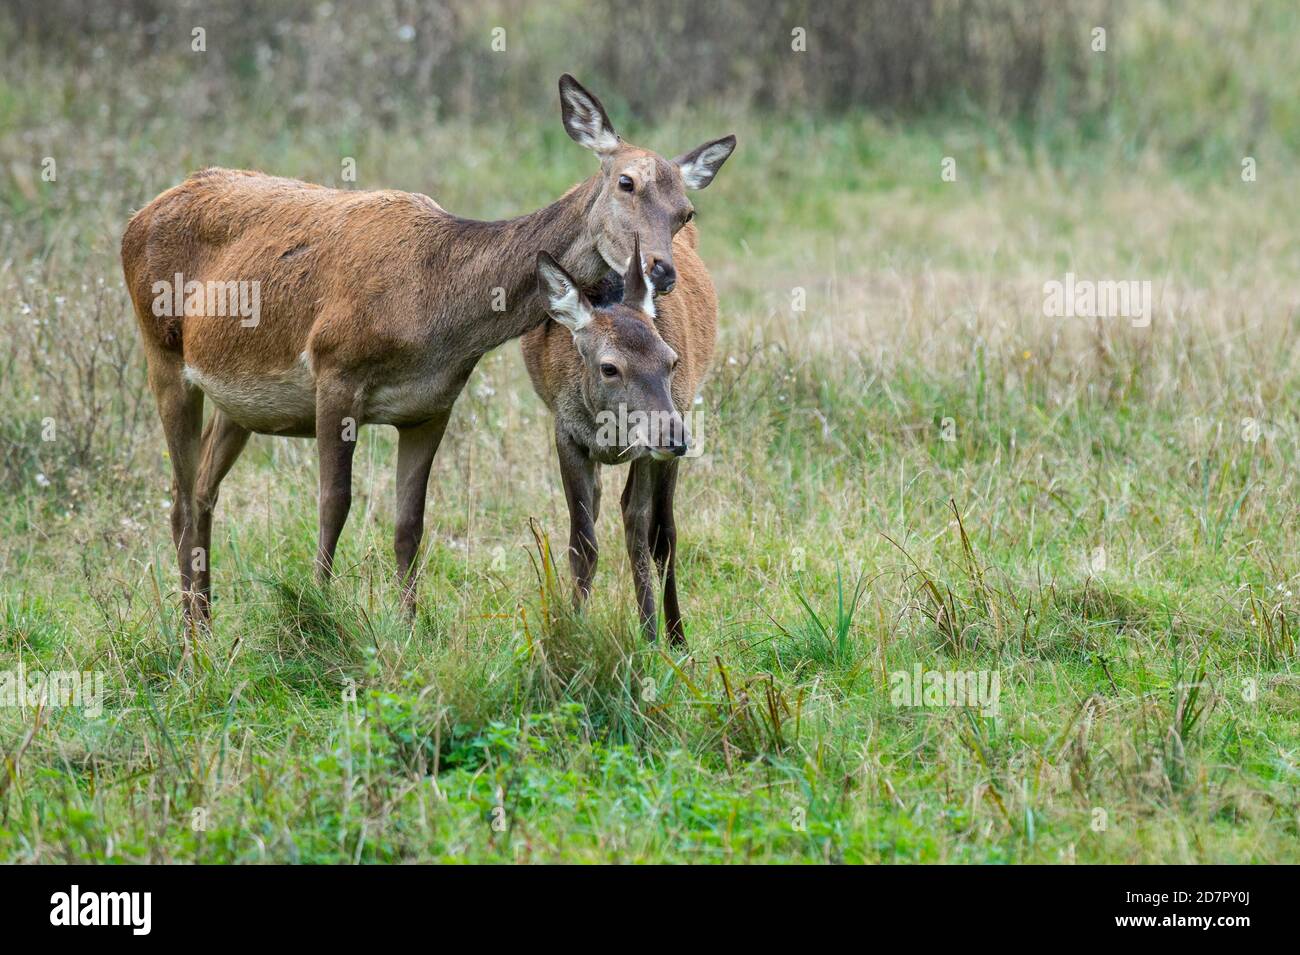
<point>513,305</point>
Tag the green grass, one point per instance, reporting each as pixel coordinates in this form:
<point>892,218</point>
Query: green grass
<point>1100,530</point>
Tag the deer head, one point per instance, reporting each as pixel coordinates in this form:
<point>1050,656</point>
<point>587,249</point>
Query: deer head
<point>640,191</point>
<point>627,369</point>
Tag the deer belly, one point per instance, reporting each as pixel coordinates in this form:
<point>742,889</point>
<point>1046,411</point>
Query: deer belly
<point>414,398</point>
<point>279,402</point>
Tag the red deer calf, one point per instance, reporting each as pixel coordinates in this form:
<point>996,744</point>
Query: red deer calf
<point>373,308</point>
<point>638,363</point>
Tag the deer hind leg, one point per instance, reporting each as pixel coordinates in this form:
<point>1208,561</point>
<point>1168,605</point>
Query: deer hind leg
<point>582,494</point>
<point>223,441</point>
<point>663,545</point>
<point>180,406</point>
<point>337,429</point>
<point>638,511</point>
<point>416,448</point>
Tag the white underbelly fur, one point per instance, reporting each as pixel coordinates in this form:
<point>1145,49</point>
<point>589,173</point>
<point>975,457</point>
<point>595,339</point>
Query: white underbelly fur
<point>274,402</point>
<point>397,403</point>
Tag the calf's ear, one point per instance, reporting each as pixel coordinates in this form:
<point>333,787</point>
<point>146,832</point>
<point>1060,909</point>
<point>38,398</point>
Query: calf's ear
<point>637,290</point>
<point>561,296</point>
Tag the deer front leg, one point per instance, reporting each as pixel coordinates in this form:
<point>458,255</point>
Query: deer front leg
<point>416,448</point>
<point>336,441</point>
<point>638,512</point>
<point>663,545</point>
<point>582,493</point>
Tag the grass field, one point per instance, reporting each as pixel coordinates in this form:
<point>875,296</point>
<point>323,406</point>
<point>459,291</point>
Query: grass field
<point>916,469</point>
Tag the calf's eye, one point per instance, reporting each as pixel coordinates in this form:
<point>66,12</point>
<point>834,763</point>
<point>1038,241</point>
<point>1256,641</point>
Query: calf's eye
<point>625,183</point>
<point>608,370</point>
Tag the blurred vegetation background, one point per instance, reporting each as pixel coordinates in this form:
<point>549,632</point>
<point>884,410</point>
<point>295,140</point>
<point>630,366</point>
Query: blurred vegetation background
<point>1183,76</point>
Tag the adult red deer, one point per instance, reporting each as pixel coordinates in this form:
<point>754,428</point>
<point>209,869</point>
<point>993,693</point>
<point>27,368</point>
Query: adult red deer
<point>637,364</point>
<point>373,308</point>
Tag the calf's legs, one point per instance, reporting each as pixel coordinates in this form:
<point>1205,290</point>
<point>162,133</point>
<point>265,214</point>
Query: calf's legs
<point>651,536</point>
<point>582,493</point>
<point>663,546</point>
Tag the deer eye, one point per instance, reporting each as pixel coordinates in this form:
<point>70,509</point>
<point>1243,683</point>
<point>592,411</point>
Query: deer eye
<point>625,183</point>
<point>689,216</point>
<point>608,371</point>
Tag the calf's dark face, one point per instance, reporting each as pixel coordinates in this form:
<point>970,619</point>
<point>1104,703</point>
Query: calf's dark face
<point>628,385</point>
<point>627,368</point>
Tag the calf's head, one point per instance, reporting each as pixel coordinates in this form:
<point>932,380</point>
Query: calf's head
<point>627,369</point>
<point>640,191</point>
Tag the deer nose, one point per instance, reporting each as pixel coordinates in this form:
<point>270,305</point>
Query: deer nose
<point>679,438</point>
<point>663,275</point>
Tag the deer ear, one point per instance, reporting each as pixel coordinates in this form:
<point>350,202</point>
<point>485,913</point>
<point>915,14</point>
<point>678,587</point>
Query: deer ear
<point>585,120</point>
<point>563,299</point>
<point>701,164</point>
<point>638,292</point>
